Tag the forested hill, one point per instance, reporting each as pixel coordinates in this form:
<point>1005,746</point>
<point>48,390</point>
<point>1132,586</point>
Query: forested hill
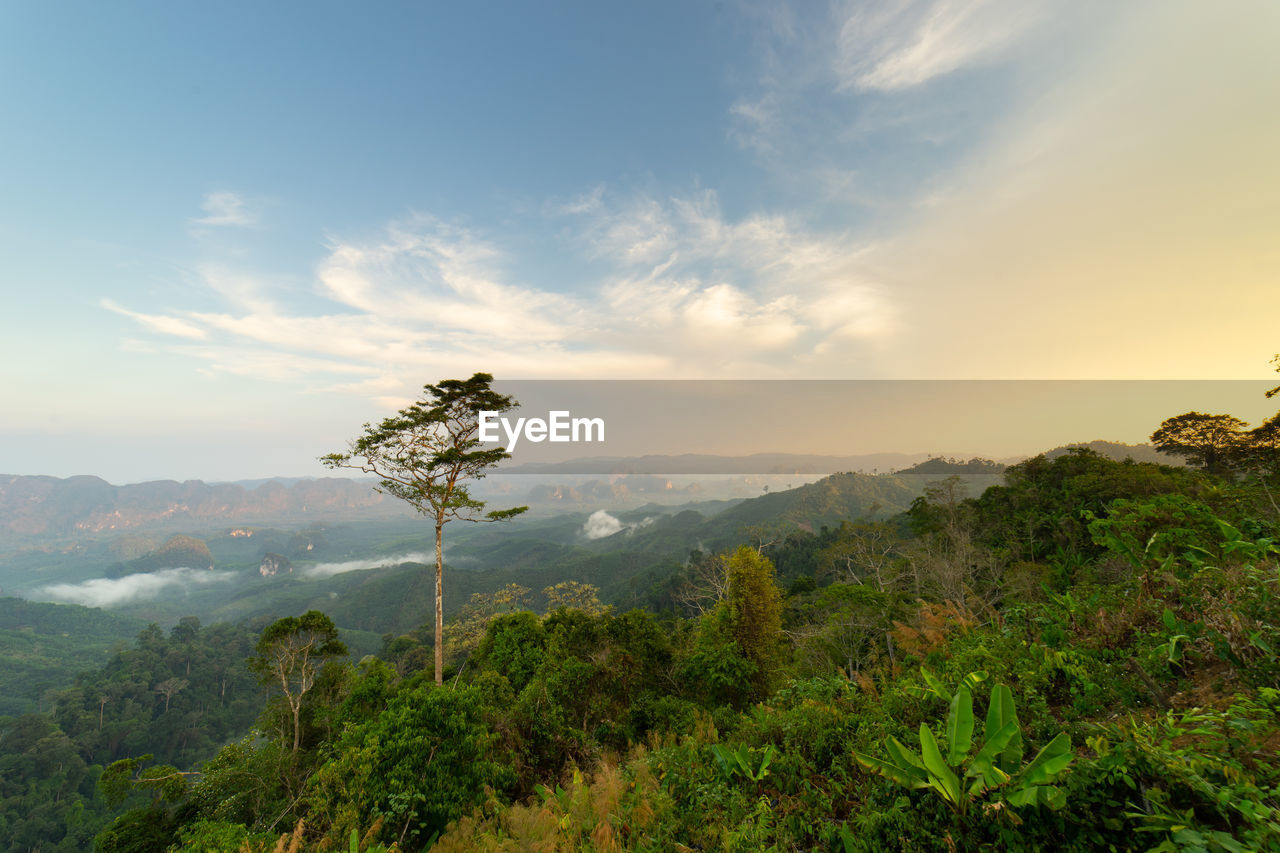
<point>829,501</point>
<point>46,645</point>
<point>1119,452</point>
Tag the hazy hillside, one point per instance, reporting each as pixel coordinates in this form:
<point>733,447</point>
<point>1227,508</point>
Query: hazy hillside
<point>1120,451</point>
<point>704,463</point>
<point>938,466</point>
<point>53,507</point>
<point>45,645</point>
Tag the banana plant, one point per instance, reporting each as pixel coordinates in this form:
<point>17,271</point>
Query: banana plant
<point>741,762</point>
<point>935,687</point>
<point>962,776</point>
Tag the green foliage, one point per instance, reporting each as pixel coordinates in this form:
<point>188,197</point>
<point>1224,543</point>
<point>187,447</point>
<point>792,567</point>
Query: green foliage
<point>1206,441</point>
<point>935,687</point>
<point>425,760</point>
<point>142,830</point>
<point>1151,532</point>
<point>1036,515</point>
<point>574,595</point>
<point>743,761</point>
<point>716,669</point>
<point>996,769</point>
<point>50,763</point>
<point>207,836</point>
<point>1195,777</point>
<point>180,551</point>
<point>289,655</point>
<point>513,645</point>
<point>244,783</point>
<point>753,606</point>
<point>44,646</point>
<point>125,776</point>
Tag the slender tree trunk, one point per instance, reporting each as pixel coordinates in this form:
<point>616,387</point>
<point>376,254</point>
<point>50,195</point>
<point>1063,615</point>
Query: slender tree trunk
<point>439,601</point>
<point>297,728</point>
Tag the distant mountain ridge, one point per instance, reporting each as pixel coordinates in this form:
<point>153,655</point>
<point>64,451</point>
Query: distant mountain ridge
<point>706,463</point>
<point>1119,451</point>
<point>50,506</point>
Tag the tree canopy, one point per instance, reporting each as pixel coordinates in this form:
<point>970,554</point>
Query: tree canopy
<point>1206,441</point>
<point>289,654</point>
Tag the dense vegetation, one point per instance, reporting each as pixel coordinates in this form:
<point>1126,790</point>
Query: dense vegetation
<point>1083,658</point>
<point>43,646</point>
<point>178,697</point>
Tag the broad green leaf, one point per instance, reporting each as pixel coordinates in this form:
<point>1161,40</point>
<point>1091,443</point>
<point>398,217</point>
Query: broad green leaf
<point>995,745</point>
<point>1229,533</point>
<point>1049,762</point>
<point>941,777</point>
<point>904,757</point>
<point>1258,642</point>
<point>721,759</point>
<point>1001,712</point>
<point>935,685</point>
<point>766,759</point>
<point>1228,842</point>
<point>1038,795</point>
<point>986,779</point>
<point>960,726</point>
<point>893,772</point>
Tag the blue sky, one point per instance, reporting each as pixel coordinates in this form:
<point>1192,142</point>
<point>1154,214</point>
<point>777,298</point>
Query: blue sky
<point>231,233</point>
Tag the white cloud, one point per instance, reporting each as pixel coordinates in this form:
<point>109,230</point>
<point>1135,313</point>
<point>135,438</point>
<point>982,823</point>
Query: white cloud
<point>326,570</point>
<point>442,277</point>
<point>896,45</point>
<point>111,592</point>
<point>761,285</point>
<point>689,290</point>
<point>226,208</point>
<point>601,524</point>
<point>165,325</point>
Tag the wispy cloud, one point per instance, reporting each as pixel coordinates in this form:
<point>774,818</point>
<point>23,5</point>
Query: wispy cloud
<point>682,282</point>
<point>761,285</point>
<point>895,45</point>
<point>113,592</point>
<point>847,91</point>
<point>226,209</point>
<point>327,570</point>
<point>445,278</point>
<point>1104,215</point>
<point>160,323</point>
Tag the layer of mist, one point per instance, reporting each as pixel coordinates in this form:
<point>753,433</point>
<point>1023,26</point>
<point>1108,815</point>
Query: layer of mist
<point>112,592</point>
<point>326,570</point>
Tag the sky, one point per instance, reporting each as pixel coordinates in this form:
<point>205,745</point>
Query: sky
<point>232,233</point>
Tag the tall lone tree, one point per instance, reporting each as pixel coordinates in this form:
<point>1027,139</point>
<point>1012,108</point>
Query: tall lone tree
<point>426,454</point>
